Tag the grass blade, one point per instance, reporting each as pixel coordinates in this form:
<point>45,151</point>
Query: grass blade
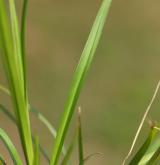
<point>11,148</point>
<point>80,142</point>
<point>48,125</point>
<point>4,90</point>
<point>44,121</point>
<point>69,151</point>
<point>91,155</point>
<point>12,61</point>
<point>155,158</point>
<point>144,147</point>
<point>12,118</point>
<point>36,151</point>
<point>45,155</point>
<point>39,115</point>
<point>152,153</point>
<point>22,36</point>
<point>80,73</point>
<point>141,123</point>
<point>16,41</point>
<point>8,114</point>
<point>2,160</point>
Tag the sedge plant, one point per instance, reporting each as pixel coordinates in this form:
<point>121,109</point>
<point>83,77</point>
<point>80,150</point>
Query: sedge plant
<point>13,54</point>
<point>12,39</point>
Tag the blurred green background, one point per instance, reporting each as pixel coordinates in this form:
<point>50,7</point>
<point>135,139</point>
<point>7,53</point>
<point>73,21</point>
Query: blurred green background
<point>120,83</point>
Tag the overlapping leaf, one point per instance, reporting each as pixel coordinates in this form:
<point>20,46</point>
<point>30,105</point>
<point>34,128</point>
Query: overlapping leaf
<point>11,148</point>
<point>13,65</point>
<point>143,148</point>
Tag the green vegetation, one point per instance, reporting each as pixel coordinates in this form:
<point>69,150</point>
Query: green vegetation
<point>12,39</point>
<point>13,55</point>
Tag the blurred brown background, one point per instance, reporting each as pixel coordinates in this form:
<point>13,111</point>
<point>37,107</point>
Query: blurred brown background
<point>119,84</point>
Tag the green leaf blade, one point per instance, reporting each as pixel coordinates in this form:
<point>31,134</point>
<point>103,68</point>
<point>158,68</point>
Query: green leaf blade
<point>36,160</point>
<point>11,148</point>
<point>152,153</point>
<point>78,79</point>
<point>143,148</point>
<point>12,60</point>
<point>2,160</point>
<point>47,124</point>
<point>12,118</point>
<point>80,141</point>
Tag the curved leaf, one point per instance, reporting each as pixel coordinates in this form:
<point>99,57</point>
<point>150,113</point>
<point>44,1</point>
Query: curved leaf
<point>152,152</point>
<point>11,148</point>
<point>39,115</point>
<point>144,147</point>
<point>2,160</point>
<point>4,90</point>
<point>13,66</point>
<point>155,158</point>
<point>48,125</point>
<point>12,118</point>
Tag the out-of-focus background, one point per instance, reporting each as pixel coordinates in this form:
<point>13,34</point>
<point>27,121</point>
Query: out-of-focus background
<point>120,83</point>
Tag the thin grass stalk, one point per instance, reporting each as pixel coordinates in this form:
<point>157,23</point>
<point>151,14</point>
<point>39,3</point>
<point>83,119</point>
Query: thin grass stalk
<point>80,140</point>
<point>23,38</point>
<point>36,151</point>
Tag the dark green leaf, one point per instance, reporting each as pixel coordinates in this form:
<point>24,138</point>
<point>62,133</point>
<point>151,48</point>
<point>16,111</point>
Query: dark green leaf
<point>152,152</point>
<point>80,141</point>
<point>144,148</point>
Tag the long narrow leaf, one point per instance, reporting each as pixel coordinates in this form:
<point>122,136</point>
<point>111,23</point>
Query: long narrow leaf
<point>80,142</point>
<point>14,71</point>
<point>36,151</point>
<point>23,31</point>
<point>152,151</point>
<point>12,118</point>
<point>4,90</point>
<point>78,79</point>
<point>47,124</point>
<point>155,158</point>
<point>16,41</point>
<point>69,151</point>
<point>11,148</point>
<point>2,160</point>
<point>86,159</point>
<point>144,147</point>
<point>39,115</point>
<point>8,114</point>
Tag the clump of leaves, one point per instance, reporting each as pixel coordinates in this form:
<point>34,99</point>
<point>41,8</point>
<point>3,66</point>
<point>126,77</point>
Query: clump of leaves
<point>13,52</point>
<point>12,39</point>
